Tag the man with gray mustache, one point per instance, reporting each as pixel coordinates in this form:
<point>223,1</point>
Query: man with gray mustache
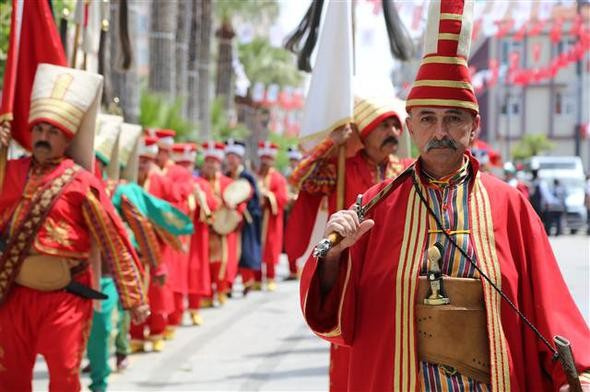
<point>411,289</point>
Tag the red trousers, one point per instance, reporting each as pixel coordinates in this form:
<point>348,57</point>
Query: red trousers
<point>270,272</point>
<point>175,317</point>
<point>194,301</point>
<point>156,322</point>
<point>221,283</point>
<point>54,324</point>
<point>293,266</point>
<point>248,276</point>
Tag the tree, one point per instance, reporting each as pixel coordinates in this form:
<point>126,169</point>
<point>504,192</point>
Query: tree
<point>267,64</point>
<point>183,30</point>
<point>204,69</point>
<point>156,111</point>
<point>162,47</point>
<point>252,10</point>
<point>531,145</point>
<point>222,128</point>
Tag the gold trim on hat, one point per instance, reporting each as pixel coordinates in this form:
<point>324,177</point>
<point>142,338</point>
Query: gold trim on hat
<point>449,36</point>
<point>52,104</point>
<point>443,102</point>
<point>61,86</point>
<point>443,83</point>
<point>444,60</point>
<point>58,118</point>
<point>50,112</point>
<point>372,115</point>
<point>448,16</point>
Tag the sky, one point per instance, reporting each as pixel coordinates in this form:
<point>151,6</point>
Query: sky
<point>373,59</point>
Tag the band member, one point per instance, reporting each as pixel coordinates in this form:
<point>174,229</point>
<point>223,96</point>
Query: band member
<point>294,156</point>
<point>223,255</point>
<point>249,253</point>
<point>273,198</point>
<point>379,291</point>
<point>52,212</point>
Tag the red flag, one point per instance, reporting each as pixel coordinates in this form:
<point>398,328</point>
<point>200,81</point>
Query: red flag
<point>33,39</point>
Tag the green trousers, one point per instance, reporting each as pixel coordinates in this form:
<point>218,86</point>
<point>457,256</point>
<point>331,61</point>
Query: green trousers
<point>122,338</point>
<point>99,341</point>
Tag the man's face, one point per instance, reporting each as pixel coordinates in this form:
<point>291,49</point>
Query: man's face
<point>48,142</point>
<point>266,162</point>
<point>233,162</point>
<point>210,167</point>
<point>385,137</point>
<point>144,164</point>
<point>162,157</point>
<point>190,166</point>
<point>442,134</point>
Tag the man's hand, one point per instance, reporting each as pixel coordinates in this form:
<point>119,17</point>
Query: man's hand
<point>4,134</point>
<point>140,313</point>
<point>566,387</point>
<point>341,134</point>
<point>346,223</point>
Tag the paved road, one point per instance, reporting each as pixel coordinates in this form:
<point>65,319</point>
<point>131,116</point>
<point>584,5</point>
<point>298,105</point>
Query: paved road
<point>262,343</point>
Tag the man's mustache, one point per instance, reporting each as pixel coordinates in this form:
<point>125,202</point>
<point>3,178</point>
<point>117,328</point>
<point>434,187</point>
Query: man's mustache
<point>442,143</point>
<point>390,140</point>
<point>43,144</point>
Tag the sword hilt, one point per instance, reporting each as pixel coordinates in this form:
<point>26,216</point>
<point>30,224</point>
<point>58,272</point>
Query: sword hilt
<point>333,239</point>
<point>566,358</point>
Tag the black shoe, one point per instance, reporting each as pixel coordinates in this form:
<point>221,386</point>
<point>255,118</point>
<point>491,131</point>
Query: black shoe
<point>122,362</point>
<point>246,290</point>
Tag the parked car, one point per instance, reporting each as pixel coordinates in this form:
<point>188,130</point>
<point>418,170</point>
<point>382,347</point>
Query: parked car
<point>569,171</point>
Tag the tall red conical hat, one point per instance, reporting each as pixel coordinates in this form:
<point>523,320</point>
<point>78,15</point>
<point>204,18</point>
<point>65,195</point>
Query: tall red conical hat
<point>443,78</point>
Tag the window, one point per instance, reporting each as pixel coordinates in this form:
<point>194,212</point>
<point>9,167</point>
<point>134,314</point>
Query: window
<point>508,49</point>
<point>558,103</point>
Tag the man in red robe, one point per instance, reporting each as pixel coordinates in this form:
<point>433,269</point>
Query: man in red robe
<point>380,129</point>
<point>182,189</point>
<point>52,212</point>
<point>201,204</point>
<point>370,292</point>
<point>273,198</point>
<point>223,255</point>
<point>151,179</point>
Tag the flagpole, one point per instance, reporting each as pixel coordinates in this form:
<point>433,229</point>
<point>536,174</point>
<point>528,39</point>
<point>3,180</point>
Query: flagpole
<point>341,173</point>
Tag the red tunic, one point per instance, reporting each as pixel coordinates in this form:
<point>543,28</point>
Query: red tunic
<point>82,213</point>
<point>371,309</point>
<point>360,176</point>
<point>181,182</point>
<point>273,188</point>
<point>199,278</point>
<point>223,248</point>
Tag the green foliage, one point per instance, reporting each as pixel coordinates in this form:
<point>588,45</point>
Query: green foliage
<point>531,145</point>
<point>254,11</point>
<point>5,14</point>
<point>155,111</point>
<point>267,64</point>
<point>221,127</point>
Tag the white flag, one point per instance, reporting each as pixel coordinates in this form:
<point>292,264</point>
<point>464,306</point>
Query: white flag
<point>329,102</point>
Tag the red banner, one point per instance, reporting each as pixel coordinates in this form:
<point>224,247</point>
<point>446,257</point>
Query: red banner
<point>33,39</point>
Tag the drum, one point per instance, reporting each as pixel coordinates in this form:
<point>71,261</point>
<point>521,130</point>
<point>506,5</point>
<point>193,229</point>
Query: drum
<point>225,220</point>
<point>237,192</point>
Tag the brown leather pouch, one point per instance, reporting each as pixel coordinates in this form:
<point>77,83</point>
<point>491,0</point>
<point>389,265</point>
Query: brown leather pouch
<point>455,335</point>
<point>45,273</point>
